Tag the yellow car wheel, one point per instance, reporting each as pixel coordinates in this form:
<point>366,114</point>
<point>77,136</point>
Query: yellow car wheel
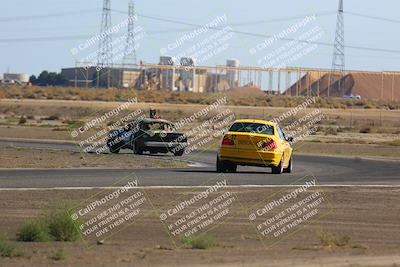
<point>289,167</point>
<point>223,166</point>
<point>220,166</point>
<point>278,169</point>
<point>232,167</point>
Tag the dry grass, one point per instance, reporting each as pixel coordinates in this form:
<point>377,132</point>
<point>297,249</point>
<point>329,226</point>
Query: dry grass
<point>330,241</point>
<point>203,241</point>
<point>147,243</point>
<point>351,120</point>
<point>241,97</point>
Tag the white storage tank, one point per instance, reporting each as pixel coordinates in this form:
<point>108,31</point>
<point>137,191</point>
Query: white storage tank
<point>187,75</point>
<point>168,75</point>
<point>232,76</point>
<point>233,63</point>
<point>188,61</point>
<point>167,60</point>
<point>20,77</point>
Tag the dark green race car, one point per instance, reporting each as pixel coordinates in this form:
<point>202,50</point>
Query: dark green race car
<point>151,135</point>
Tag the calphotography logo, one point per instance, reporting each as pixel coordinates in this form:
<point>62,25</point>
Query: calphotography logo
<point>109,130</point>
<point>294,48</point>
<point>204,211</point>
<point>286,212</point>
<point>202,44</point>
<point>110,211</point>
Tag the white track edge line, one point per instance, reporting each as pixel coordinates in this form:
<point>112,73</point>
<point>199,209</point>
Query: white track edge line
<point>187,187</point>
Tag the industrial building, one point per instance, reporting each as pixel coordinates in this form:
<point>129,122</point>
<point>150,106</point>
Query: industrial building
<point>111,77</point>
<point>185,77</point>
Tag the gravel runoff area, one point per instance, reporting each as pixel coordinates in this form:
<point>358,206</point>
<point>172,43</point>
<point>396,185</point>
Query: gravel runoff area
<point>365,219</point>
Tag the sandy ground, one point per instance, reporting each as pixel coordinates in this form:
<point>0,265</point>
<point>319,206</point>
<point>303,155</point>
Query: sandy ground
<point>368,215</point>
<point>42,158</point>
<point>34,132</point>
<point>382,141</point>
<point>11,157</point>
<point>349,150</point>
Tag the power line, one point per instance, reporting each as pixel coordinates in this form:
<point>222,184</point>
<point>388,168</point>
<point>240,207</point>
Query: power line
<point>247,23</point>
<point>373,17</point>
<point>325,13</point>
<point>83,36</point>
<point>41,39</point>
<point>266,36</point>
<point>191,25</point>
<point>46,16</point>
<point>94,10</point>
<point>80,37</point>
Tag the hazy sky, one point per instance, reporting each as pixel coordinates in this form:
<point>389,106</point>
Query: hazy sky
<point>21,51</point>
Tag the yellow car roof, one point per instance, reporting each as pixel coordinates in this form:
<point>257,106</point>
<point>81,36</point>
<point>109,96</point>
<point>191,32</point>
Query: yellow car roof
<point>256,121</point>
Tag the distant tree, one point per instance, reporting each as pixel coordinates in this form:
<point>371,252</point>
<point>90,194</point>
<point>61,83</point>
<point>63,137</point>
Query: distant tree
<point>43,77</point>
<point>33,79</point>
<point>49,78</point>
<point>52,78</point>
<point>61,80</point>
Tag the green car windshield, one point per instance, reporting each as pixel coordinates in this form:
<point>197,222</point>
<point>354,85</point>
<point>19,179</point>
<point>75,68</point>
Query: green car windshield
<point>157,126</point>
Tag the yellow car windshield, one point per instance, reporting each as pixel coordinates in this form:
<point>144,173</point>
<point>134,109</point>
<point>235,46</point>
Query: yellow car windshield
<point>256,128</point>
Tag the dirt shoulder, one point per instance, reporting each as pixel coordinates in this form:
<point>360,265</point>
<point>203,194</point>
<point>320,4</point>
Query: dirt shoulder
<point>11,157</point>
<point>349,150</point>
<point>369,216</point>
<point>314,147</point>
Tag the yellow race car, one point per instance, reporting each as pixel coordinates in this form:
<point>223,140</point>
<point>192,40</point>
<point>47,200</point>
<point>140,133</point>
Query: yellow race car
<point>255,143</point>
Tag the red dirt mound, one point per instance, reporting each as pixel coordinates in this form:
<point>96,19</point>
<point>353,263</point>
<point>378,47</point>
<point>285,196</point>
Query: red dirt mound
<point>367,85</point>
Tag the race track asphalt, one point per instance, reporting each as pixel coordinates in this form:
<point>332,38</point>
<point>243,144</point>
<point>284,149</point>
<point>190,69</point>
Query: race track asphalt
<point>326,170</point>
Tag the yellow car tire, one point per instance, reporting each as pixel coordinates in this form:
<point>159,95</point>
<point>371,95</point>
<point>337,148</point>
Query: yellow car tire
<point>278,169</point>
<point>223,167</point>
<point>289,167</point>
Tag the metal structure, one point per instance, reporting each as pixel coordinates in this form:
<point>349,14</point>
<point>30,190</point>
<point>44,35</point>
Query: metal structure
<point>338,62</point>
<point>104,56</point>
<point>130,46</point>
<point>307,82</point>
